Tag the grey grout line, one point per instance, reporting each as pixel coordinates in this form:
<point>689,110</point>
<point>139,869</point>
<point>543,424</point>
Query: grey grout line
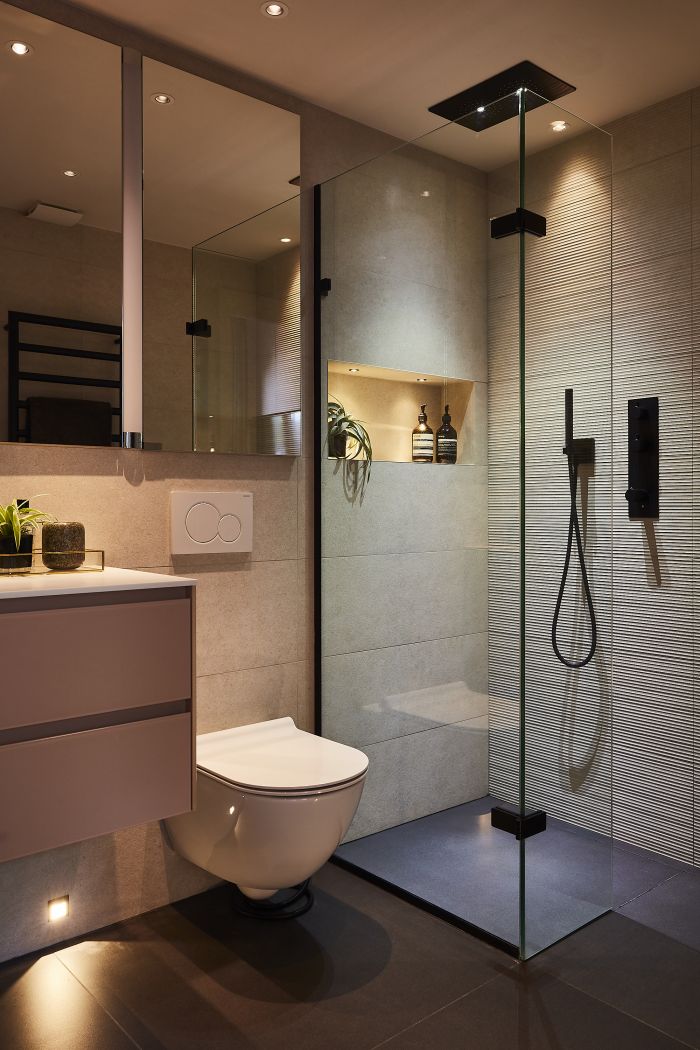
<point>107,1013</point>
<point>662,882</point>
<point>440,1009</point>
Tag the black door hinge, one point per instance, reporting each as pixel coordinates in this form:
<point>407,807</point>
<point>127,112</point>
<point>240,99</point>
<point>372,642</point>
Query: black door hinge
<point>519,221</point>
<point>200,328</point>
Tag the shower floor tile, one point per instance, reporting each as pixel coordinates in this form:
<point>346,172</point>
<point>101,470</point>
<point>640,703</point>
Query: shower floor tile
<point>456,861</point>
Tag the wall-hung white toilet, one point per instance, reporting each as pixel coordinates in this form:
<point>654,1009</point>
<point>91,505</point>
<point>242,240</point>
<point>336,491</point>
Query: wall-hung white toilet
<point>273,803</point>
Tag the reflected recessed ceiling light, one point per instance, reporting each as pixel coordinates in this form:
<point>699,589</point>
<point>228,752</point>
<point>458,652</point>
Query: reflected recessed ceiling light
<point>70,173</point>
<point>481,109</point>
<point>274,10</point>
<point>558,125</point>
<point>286,240</point>
<point>58,908</point>
<point>18,47</point>
<point>353,369</point>
<point>425,193</point>
<point>162,99</point>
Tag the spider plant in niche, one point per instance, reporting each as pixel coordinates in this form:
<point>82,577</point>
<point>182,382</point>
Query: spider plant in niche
<point>349,441</point>
<point>18,523</point>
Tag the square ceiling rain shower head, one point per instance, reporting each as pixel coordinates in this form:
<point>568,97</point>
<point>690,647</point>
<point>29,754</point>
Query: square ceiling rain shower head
<point>496,99</point>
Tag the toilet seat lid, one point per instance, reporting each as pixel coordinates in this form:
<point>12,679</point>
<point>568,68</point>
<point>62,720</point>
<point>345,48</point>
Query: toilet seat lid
<point>276,756</point>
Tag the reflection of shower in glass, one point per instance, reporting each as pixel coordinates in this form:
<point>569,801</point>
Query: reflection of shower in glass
<point>578,452</point>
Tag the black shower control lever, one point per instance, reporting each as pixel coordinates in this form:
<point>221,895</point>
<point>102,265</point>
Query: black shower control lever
<point>642,493</point>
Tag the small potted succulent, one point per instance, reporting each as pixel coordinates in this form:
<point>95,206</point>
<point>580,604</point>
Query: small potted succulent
<point>349,441</point>
<point>18,523</point>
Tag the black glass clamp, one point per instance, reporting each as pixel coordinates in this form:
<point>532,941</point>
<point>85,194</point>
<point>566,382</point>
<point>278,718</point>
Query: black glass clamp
<point>200,328</point>
<point>522,825</point>
<point>519,221</point>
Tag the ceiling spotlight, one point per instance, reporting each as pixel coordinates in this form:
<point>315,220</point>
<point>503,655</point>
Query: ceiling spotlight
<point>274,10</point>
<point>353,369</point>
<point>481,109</point>
<point>286,240</point>
<point>69,173</point>
<point>425,193</point>
<point>558,125</point>
<point>18,47</point>
<point>162,99</point>
<point>421,380</point>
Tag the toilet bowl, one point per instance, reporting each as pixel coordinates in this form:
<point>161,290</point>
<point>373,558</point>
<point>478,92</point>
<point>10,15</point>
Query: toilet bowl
<point>273,803</point>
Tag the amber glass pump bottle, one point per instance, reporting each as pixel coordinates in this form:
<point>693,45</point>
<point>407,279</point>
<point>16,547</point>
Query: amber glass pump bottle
<point>423,439</point>
<point>447,440</point>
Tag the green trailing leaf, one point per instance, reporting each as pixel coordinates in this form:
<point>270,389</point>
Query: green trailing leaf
<point>357,461</point>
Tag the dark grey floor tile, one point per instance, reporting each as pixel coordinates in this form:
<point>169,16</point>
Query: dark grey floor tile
<point>634,969</point>
<point>538,1013</point>
<point>353,971</point>
<point>673,908</point>
<point>43,1007</point>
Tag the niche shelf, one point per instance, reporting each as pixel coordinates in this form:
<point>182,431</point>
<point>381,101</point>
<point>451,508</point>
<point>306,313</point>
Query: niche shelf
<point>388,400</point>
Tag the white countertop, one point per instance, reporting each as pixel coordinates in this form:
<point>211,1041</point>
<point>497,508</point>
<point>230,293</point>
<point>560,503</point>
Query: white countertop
<point>43,585</point>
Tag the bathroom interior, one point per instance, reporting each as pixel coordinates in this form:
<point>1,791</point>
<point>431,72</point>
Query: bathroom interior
<point>348,520</point>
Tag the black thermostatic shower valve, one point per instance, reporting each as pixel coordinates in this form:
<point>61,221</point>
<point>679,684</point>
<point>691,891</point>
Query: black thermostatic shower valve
<point>522,825</point>
<point>643,457</point>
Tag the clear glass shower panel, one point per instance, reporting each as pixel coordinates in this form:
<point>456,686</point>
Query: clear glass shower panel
<point>568,428</point>
<point>408,628</point>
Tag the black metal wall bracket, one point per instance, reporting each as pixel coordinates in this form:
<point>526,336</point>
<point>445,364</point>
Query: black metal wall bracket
<point>643,457</point>
<point>522,825</point>
<point>519,221</point>
<point>200,328</point>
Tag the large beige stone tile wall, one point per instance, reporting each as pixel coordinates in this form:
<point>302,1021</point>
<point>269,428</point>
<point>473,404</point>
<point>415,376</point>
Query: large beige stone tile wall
<point>404,570</point>
<point>254,622</point>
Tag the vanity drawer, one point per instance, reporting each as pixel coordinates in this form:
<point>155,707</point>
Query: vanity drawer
<point>66,788</point>
<point>60,663</point>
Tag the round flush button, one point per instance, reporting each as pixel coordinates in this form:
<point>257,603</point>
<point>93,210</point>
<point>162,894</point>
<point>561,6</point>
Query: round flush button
<point>229,527</point>
<point>202,522</point>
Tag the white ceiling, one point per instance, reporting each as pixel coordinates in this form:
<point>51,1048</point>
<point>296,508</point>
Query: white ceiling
<point>213,158</point>
<point>384,63</point>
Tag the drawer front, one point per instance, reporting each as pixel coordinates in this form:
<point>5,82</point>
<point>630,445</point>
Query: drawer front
<point>67,788</point>
<point>67,663</point>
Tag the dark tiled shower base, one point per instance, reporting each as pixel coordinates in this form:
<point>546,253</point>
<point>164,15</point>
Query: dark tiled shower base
<point>456,861</point>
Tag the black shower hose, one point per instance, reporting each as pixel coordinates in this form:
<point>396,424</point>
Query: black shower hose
<point>574,530</point>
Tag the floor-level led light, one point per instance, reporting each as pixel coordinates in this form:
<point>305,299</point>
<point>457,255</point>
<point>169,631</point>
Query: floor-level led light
<point>274,10</point>
<point>162,99</point>
<point>58,908</point>
<point>558,125</point>
<point>18,47</point>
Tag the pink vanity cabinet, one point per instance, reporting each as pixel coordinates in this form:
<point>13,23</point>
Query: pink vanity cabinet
<point>96,705</point>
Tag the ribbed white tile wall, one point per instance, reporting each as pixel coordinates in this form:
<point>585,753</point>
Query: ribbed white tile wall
<point>634,707</point>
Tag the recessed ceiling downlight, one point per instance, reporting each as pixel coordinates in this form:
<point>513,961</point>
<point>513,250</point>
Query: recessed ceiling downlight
<point>286,240</point>
<point>162,99</point>
<point>558,126</point>
<point>274,10</point>
<point>70,174</point>
<point>19,47</point>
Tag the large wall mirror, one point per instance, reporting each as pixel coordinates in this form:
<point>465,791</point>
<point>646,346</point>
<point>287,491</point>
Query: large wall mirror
<point>60,234</point>
<point>220,337</point>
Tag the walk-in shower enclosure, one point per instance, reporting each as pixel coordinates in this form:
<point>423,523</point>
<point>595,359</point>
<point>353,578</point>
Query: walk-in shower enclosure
<point>438,581</point>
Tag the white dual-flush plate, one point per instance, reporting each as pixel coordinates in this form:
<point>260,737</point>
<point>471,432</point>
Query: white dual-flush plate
<point>211,522</point>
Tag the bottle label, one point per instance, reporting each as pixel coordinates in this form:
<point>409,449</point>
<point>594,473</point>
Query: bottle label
<point>423,445</point>
<point>447,446</point>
